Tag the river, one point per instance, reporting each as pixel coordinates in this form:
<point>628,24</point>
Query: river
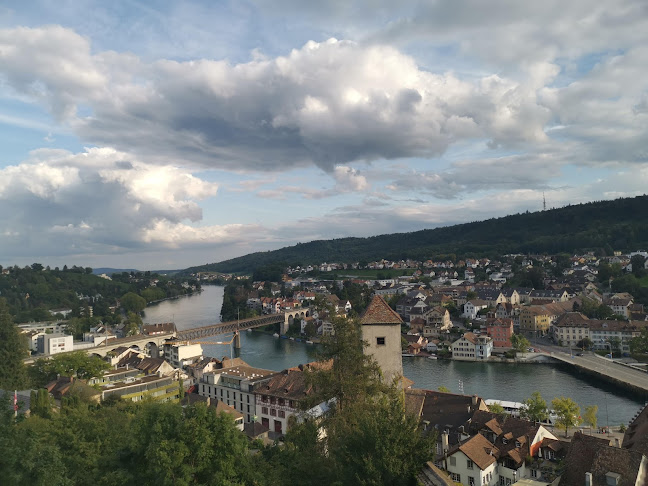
<point>488,380</point>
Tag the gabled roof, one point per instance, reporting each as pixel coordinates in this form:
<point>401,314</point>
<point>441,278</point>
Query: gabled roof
<point>379,312</point>
<point>590,454</point>
<point>480,451</point>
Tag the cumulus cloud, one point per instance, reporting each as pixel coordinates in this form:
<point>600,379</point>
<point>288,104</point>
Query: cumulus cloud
<point>103,200</point>
<point>328,103</point>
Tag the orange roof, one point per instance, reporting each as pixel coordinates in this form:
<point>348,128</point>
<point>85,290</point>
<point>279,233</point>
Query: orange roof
<point>379,312</point>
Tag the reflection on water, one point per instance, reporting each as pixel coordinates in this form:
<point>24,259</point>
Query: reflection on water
<point>488,380</point>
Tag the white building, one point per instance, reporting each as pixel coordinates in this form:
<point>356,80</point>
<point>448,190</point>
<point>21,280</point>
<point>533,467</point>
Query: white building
<point>472,307</point>
<point>180,355</point>
<point>55,343</point>
<point>474,463</point>
<point>235,387</point>
<point>470,347</point>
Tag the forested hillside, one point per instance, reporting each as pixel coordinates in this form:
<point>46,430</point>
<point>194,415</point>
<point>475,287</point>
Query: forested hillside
<point>32,291</point>
<point>602,226</point>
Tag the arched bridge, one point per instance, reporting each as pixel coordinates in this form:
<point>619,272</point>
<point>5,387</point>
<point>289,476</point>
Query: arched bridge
<point>284,318</point>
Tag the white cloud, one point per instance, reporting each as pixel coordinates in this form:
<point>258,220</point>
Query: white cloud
<point>328,103</point>
<point>102,200</point>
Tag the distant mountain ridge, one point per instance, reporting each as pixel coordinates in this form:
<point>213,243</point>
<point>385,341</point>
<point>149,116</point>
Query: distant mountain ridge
<point>604,226</point>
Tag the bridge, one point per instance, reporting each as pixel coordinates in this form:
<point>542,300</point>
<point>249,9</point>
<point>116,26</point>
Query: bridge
<point>610,370</point>
<point>153,343</point>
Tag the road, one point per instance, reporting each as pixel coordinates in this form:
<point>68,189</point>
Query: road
<point>598,364</point>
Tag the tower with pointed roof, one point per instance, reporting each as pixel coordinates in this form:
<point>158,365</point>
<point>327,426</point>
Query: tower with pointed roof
<point>381,328</point>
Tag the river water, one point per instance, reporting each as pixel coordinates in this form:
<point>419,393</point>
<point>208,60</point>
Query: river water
<point>488,380</point>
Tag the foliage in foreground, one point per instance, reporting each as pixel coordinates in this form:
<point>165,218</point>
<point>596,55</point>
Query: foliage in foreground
<point>367,438</point>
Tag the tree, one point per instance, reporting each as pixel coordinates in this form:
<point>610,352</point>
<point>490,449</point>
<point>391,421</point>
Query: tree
<point>534,408</point>
<point>590,415</point>
<point>131,302</point>
<point>638,262</point>
<point>41,403</point>
<point>77,364</point>
<point>519,343</point>
<point>585,343</point>
<point>568,413</point>
<point>444,389</point>
<point>133,323</point>
<point>639,344</point>
<point>13,349</point>
<point>497,409</point>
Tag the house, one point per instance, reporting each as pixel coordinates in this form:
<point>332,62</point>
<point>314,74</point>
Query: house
<point>473,462</point>
<point>447,413</point>
<point>620,306</point>
<point>415,343</point>
<point>592,461</point>
<point>549,296</point>
<point>65,386</point>
<point>500,330</point>
<point>437,320</point>
<point>534,321</point>
<point>636,436</point>
<point>472,307</point>
<point>280,397</point>
<point>235,387</point>
<point>570,329</point>
<point>470,347</point>
<point>158,328</point>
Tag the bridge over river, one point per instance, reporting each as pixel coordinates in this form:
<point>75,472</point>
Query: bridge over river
<point>152,343</point>
<point>610,370</point>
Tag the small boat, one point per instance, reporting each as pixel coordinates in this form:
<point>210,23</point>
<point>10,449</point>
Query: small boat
<point>309,342</point>
<point>432,356</point>
<point>249,330</point>
<point>275,335</point>
<point>292,338</point>
<point>298,340</point>
<point>283,337</point>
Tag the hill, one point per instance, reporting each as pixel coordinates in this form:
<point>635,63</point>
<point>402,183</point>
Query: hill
<point>601,226</point>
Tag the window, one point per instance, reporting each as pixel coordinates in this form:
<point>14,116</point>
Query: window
<point>273,412</point>
<point>380,341</point>
<point>264,410</point>
<point>471,481</point>
<point>455,477</point>
<point>453,461</point>
<point>248,399</point>
<point>534,473</point>
<point>469,464</point>
<point>501,483</point>
<point>221,393</point>
<point>282,414</point>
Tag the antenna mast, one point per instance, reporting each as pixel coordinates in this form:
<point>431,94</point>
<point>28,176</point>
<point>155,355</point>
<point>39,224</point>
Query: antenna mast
<point>544,202</point>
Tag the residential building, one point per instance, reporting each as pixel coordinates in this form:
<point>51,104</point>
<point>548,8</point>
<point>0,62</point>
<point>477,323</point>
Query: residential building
<point>500,330</point>
<point>279,398</point>
<point>473,462</point>
<point>471,347</point>
<point>472,307</point>
<point>570,329</point>
<point>55,343</point>
<point>534,321</point>
<point>181,354</point>
<point>235,387</point>
<point>159,388</point>
<point>549,296</point>
<point>594,462</point>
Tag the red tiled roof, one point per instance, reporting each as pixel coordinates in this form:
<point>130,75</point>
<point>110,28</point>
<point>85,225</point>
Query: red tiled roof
<point>379,312</point>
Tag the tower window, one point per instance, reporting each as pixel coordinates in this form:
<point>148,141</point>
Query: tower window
<point>380,341</point>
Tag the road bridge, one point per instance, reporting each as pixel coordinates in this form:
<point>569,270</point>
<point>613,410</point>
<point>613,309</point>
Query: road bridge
<point>613,371</point>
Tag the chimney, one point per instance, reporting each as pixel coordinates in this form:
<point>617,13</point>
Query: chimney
<point>445,438</point>
<point>474,400</point>
<point>588,479</point>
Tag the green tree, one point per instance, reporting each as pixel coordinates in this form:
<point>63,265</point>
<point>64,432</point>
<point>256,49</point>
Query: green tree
<point>131,302</point>
<point>133,324</point>
<point>638,262</point>
<point>444,389</point>
<point>534,408</point>
<point>497,409</point>
<point>77,364</point>
<point>639,344</point>
<point>519,343</point>
<point>590,415</point>
<point>13,349</point>
<point>568,413</point>
<point>41,403</point>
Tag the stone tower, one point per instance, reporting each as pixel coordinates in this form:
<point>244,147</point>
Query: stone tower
<point>381,328</point>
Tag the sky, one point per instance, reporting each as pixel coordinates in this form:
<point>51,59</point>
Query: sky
<point>166,134</point>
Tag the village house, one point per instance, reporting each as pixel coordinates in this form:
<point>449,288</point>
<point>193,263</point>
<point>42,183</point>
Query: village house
<point>472,307</point>
<point>470,347</point>
<point>500,330</point>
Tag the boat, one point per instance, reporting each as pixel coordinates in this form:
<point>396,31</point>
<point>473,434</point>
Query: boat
<point>249,330</point>
<point>275,335</point>
<point>432,356</point>
<point>309,342</point>
<point>292,338</point>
